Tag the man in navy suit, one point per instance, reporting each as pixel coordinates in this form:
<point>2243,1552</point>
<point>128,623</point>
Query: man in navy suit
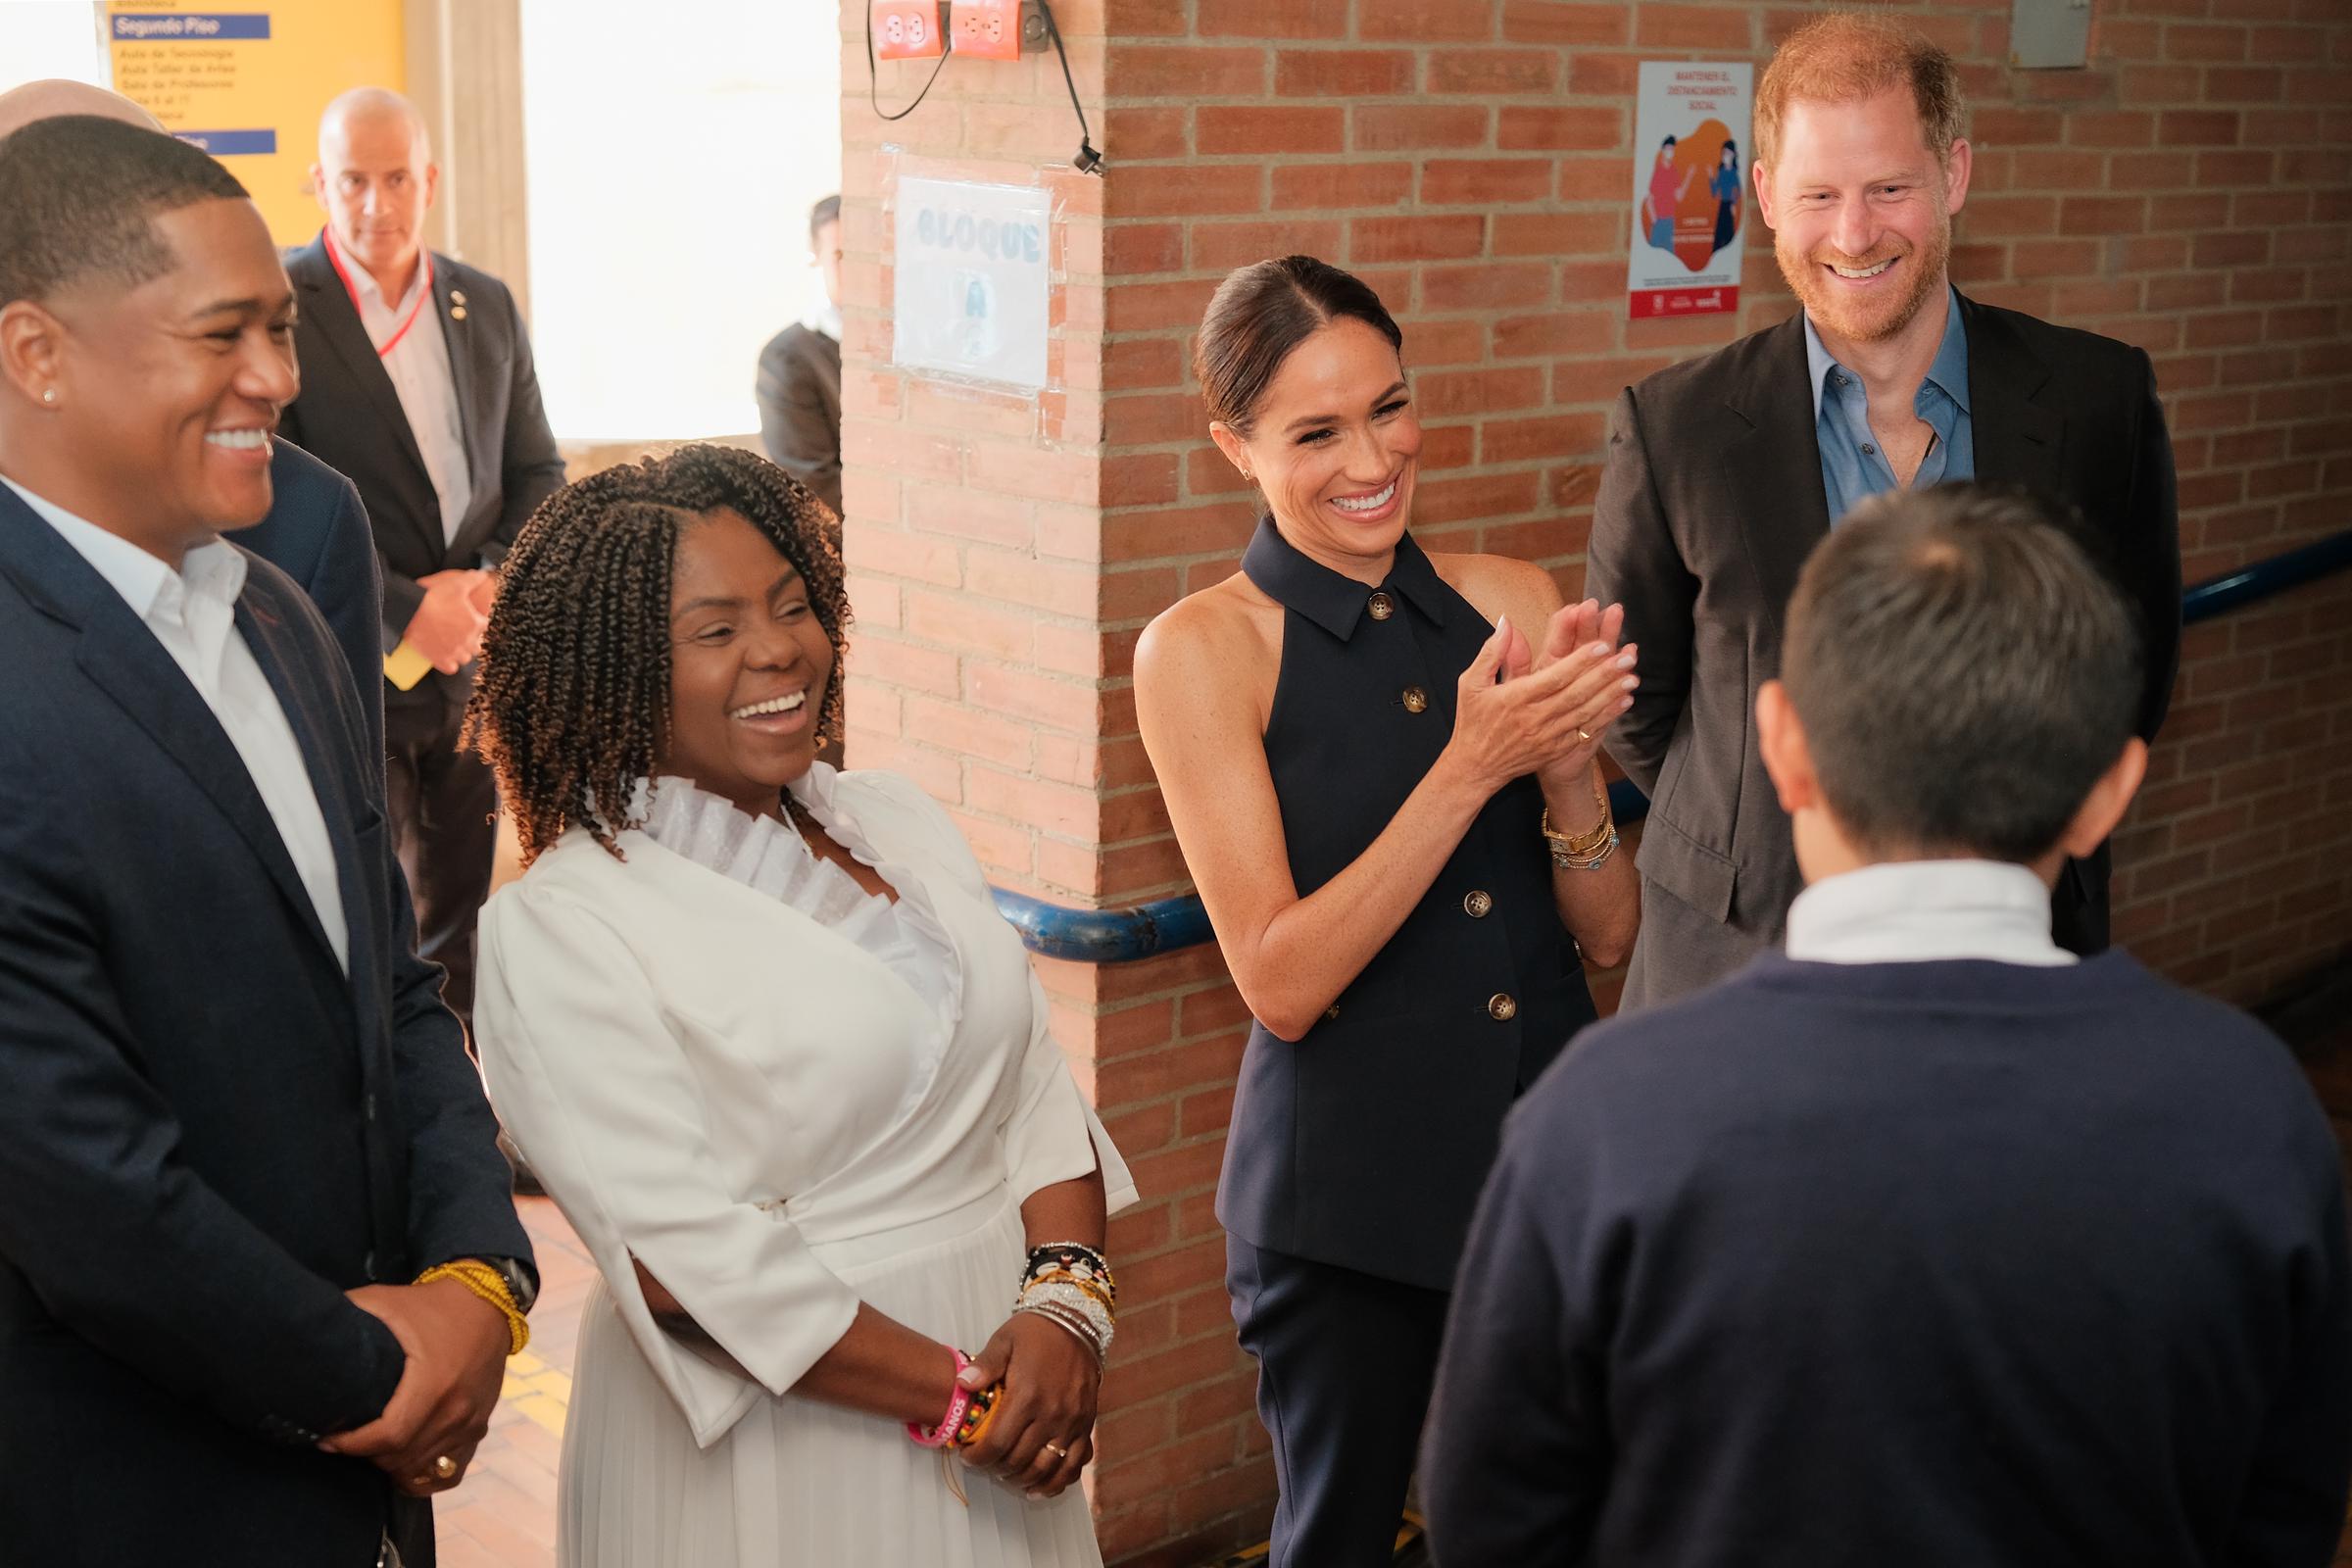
<point>1927,1242</point>
<point>317,531</point>
<point>238,1123</point>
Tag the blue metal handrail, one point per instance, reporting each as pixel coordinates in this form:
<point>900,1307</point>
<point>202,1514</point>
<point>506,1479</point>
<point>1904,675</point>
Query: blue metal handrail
<point>2263,578</point>
<point>1168,925</point>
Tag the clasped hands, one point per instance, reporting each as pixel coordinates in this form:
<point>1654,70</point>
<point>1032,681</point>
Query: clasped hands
<point>455,1345</point>
<point>1041,1433</point>
<point>448,625</point>
<point>1542,710</point>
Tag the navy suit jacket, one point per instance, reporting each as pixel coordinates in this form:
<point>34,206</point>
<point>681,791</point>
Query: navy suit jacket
<point>317,533</point>
<point>210,1132</point>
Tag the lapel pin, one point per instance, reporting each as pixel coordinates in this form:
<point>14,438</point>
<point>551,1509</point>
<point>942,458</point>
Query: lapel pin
<point>457,304</point>
<point>457,296</point>
<point>456,312</point>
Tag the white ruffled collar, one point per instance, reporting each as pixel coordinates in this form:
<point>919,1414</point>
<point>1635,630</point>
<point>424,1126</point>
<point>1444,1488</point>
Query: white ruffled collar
<point>769,855</point>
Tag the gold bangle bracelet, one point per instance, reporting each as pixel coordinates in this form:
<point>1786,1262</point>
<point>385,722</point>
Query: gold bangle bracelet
<point>484,1281</point>
<point>1577,846</point>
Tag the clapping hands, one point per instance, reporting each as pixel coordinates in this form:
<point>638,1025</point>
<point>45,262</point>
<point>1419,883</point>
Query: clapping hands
<point>1542,708</point>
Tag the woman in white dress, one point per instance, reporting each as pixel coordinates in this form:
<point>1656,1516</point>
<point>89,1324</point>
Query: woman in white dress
<point>758,1029</point>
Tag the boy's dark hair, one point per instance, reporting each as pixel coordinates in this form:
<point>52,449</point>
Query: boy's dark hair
<point>1963,673</point>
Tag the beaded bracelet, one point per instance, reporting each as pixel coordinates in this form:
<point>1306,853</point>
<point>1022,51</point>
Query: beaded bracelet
<point>1076,1260</point>
<point>959,1400</point>
<point>491,1285</point>
<point>977,1415</point>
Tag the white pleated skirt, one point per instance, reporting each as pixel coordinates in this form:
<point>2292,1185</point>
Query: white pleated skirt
<point>799,1483</point>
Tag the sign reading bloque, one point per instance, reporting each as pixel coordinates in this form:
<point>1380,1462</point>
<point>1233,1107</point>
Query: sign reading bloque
<point>971,295</point>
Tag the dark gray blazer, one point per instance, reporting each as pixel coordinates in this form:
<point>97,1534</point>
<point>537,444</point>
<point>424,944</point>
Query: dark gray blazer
<point>1710,502</point>
<point>799,390</point>
<point>210,1132</point>
<point>349,417</point>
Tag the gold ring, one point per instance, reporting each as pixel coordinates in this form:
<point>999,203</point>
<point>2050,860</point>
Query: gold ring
<point>1058,1450</point>
<point>445,1467</point>
<point>1580,733</point>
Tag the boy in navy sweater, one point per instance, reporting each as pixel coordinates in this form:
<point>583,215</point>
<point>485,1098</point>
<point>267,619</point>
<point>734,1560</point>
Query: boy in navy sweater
<point>1925,1242</point>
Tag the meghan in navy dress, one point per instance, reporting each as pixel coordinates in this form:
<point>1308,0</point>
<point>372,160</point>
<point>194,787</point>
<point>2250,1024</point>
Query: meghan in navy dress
<point>1380,766</point>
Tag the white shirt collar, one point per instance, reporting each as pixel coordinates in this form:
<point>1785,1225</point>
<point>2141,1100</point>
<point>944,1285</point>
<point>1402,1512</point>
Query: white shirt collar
<point>214,571</point>
<point>1911,911</point>
<point>370,290</point>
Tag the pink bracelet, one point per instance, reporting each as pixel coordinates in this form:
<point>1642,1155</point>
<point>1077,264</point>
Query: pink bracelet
<point>940,1436</point>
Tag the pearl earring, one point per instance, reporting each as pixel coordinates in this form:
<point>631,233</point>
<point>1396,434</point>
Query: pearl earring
<point>49,394</point>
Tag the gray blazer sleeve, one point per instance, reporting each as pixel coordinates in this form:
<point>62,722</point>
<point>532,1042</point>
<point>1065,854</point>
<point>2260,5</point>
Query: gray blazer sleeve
<point>1633,561</point>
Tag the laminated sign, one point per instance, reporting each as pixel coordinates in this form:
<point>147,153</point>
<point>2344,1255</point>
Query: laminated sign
<point>970,295</point>
<point>1692,192</point>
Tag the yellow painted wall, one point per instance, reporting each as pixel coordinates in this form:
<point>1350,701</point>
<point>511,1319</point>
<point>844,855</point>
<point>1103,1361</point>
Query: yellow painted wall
<point>200,70</point>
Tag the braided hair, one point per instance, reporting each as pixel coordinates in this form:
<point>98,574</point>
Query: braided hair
<point>570,704</point>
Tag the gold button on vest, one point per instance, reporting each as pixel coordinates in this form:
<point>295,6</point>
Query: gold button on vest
<point>1475,902</point>
<point>1501,1008</point>
<point>1416,699</point>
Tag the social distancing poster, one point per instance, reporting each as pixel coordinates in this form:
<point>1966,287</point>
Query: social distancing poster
<point>1692,193</point>
<point>248,85</point>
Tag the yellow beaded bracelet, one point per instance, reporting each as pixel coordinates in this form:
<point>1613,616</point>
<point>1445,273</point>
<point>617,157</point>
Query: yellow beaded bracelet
<point>488,1284</point>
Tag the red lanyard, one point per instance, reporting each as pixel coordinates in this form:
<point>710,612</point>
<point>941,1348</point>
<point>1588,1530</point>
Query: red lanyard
<point>334,257</point>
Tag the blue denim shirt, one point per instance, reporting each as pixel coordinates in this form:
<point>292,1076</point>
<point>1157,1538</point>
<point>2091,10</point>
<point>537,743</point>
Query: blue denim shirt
<point>1852,467</point>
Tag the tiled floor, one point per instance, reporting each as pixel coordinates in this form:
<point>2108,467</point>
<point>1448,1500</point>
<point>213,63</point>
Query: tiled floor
<point>504,1515</point>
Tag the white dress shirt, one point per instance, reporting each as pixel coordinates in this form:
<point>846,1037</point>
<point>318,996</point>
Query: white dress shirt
<point>192,613</point>
<point>418,366</point>
<point>1911,911</point>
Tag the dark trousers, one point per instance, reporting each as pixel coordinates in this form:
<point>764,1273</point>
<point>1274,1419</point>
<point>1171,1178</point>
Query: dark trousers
<point>443,806</point>
<point>1344,1364</point>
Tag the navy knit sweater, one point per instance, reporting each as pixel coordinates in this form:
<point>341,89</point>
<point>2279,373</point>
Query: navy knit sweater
<point>1901,1265</point>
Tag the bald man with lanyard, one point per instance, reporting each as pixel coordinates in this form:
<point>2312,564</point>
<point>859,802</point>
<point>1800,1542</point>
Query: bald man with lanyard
<point>418,381</point>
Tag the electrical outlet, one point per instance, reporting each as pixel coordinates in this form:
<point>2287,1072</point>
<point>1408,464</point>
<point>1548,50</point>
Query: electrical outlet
<point>987,29</point>
<point>907,30</point>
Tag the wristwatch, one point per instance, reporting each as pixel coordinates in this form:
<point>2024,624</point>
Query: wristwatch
<point>520,1280</point>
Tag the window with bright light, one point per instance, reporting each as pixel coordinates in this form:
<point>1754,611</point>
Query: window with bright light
<point>672,155</point>
<point>43,38</point>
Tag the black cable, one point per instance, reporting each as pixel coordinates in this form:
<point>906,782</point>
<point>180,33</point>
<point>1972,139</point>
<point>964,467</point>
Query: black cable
<point>1088,160</point>
<point>874,71</point>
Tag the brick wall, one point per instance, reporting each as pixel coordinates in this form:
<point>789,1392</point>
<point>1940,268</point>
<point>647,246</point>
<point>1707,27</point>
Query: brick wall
<point>2189,192</point>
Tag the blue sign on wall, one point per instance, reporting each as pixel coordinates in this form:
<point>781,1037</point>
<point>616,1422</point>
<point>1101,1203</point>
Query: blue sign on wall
<point>230,143</point>
<point>211,26</point>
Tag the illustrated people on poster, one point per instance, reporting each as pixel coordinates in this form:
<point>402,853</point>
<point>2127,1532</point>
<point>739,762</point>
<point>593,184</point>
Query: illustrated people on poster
<point>1665,196</point>
<point>1724,187</point>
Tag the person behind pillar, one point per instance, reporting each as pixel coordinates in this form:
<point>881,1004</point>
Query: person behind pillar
<point>316,531</point>
<point>1379,767</point>
<point>1924,1242</point>
<point>241,1134</point>
<point>418,382</point>
<point>800,375</point>
<point>1724,472</point>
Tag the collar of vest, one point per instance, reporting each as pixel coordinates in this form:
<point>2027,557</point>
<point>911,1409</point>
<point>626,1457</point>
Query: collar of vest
<point>1332,600</point>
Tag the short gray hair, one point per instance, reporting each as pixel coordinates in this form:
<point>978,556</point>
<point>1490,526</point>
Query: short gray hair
<point>1963,671</point>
